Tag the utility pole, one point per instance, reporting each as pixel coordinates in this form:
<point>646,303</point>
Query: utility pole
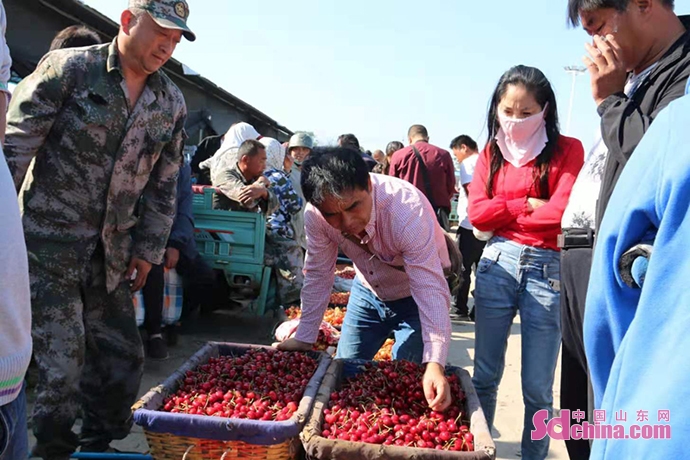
<point>574,71</point>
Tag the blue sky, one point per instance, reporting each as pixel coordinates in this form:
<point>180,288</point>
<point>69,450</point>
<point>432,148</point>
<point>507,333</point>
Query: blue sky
<point>376,67</point>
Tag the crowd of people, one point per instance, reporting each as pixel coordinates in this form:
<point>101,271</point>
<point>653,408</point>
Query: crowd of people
<point>104,208</point>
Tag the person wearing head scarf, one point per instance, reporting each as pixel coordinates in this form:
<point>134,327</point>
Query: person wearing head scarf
<point>226,156</point>
<point>275,154</point>
<point>282,251</point>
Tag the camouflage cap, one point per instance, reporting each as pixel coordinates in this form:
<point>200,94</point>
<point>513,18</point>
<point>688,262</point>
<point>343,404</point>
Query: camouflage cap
<point>169,14</point>
<point>301,140</point>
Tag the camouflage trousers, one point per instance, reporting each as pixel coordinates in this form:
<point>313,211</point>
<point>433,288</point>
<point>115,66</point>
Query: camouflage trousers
<point>287,259</point>
<point>88,352</point>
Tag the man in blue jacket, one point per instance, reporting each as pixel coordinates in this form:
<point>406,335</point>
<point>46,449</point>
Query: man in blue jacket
<point>180,254</point>
<point>636,338</point>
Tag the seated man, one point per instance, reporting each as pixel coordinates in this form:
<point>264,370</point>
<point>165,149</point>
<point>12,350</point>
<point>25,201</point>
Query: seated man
<point>389,230</point>
<point>242,186</point>
<point>635,337</point>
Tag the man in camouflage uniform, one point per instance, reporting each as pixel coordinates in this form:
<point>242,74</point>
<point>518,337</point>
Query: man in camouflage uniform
<point>106,128</point>
<point>282,251</point>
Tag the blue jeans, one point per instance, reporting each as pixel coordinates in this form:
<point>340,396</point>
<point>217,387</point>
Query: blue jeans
<point>368,322</point>
<point>14,436</point>
<point>512,278</point>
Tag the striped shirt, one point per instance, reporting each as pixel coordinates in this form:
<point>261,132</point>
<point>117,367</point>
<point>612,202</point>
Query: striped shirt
<point>15,298</point>
<point>402,232</point>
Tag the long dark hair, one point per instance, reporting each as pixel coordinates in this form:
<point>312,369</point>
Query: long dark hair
<point>538,85</point>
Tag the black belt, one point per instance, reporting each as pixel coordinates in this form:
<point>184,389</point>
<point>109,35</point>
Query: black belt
<point>576,238</point>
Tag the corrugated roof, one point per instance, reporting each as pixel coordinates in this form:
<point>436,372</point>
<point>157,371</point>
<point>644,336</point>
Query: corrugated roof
<point>82,13</point>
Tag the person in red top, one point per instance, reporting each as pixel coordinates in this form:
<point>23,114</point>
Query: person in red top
<point>519,192</point>
<point>439,170</point>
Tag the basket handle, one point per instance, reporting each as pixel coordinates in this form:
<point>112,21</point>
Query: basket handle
<point>189,449</point>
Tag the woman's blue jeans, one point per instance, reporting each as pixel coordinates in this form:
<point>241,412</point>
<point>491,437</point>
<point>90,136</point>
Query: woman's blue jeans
<point>511,278</point>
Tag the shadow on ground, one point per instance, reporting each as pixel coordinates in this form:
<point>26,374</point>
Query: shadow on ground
<point>507,450</point>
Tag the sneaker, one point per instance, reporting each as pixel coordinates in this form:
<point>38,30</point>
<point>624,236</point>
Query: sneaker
<point>157,349</point>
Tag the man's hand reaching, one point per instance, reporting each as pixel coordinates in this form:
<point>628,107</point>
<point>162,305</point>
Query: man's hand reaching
<point>293,345</point>
<point>436,387</point>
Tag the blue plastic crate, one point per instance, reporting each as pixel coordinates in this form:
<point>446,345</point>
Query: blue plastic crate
<point>251,281</point>
<point>234,242</point>
<point>228,236</point>
<point>199,200</point>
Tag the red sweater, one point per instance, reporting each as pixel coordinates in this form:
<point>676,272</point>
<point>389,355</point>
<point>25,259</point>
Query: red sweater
<point>506,213</point>
<point>440,169</point>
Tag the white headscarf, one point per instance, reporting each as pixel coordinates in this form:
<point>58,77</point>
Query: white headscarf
<point>275,153</point>
<point>237,134</point>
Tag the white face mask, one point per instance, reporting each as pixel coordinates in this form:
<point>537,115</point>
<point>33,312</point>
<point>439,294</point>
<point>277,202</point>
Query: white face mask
<point>522,140</point>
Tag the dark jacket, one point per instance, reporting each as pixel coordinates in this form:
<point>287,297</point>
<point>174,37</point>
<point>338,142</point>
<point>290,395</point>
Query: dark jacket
<point>206,149</point>
<point>369,160</point>
<point>624,121</point>
<point>182,233</point>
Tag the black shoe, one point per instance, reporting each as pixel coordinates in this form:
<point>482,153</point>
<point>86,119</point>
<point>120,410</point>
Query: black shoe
<point>171,333</point>
<point>458,312</point>
<point>97,448</point>
<point>157,349</point>
<point>38,454</point>
<point>456,315</point>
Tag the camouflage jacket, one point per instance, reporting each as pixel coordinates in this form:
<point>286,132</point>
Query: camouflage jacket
<point>280,222</point>
<point>230,182</point>
<point>94,159</point>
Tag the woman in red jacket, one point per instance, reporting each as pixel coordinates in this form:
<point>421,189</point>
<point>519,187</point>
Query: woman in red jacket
<point>519,192</point>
